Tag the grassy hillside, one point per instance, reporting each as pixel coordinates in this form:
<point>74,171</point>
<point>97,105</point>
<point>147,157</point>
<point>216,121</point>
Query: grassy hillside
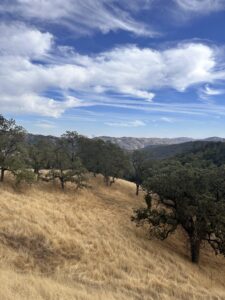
<point>65,246</point>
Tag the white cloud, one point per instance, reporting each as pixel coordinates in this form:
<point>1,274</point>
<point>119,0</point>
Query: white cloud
<point>135,123</point>
<point>82,16</point>
<point>201,6</point>
<point>167,119</point>
<point>208,93</point>
<point>19,40</point>
<point>135,71</point>
<point>212,92</point>
<point>129,73</point>
<point>138,93</point>
<point>32,103</point>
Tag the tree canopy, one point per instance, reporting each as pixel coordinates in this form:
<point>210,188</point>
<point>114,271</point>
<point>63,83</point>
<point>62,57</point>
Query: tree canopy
<point>11,139</point>
<point>190,197</point>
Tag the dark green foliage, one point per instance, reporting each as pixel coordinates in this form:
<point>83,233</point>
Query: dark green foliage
<point>105,158</point>
<point>139,167</point>
<point>69,142</point>
<point>79,175</point>
<point>24,175</point>
<point>67,158</point>
<point>159,152</point>
<point>114,162</point>
<point>66,164</point>
<point>90,154</point>
<point>11,139</point>
<point>208,153</point>
<point>190,197</point>
<point>41,155</point>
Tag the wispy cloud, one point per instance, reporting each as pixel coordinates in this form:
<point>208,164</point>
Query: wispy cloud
<point>208,93</point>
<point>167,119</point>
<point>213,92</point>
<point>135,123</point>
<point>82,16</point>
<point>201,6</point>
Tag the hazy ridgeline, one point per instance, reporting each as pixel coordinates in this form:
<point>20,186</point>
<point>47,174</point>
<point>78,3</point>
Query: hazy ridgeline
<point>66,227</point>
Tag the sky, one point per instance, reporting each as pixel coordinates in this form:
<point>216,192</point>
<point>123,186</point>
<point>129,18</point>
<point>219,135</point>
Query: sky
<point>141,68</point>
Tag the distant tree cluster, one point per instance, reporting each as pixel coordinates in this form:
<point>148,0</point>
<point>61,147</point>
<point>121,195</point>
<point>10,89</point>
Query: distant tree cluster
<point>66,159</point>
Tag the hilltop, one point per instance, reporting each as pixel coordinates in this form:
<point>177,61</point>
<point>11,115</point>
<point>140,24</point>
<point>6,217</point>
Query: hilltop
<point>67,245</point>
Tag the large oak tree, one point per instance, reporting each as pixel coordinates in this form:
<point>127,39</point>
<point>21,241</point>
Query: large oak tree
<point>189,197</point>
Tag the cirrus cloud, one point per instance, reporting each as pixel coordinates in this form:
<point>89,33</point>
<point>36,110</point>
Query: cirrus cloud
<point>135,123</point>
<point>201,6</point>
<point>82,16</point>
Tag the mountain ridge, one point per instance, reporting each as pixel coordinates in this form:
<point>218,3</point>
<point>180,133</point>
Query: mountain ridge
<point>132,143</point>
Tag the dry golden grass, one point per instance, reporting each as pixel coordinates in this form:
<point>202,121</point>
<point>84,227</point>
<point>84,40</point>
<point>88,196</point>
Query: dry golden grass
<point>65,246</point>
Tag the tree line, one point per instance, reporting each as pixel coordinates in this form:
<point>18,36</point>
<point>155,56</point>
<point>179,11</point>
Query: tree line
<point>67,158</point>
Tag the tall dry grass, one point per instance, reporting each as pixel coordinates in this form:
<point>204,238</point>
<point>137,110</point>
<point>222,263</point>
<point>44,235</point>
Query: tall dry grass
<point>58,245</point>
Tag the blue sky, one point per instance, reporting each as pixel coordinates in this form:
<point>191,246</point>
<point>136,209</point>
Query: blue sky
<point>144,68</point>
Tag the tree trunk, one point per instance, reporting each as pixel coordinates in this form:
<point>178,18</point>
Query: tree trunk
<point>36,172</point>
<point>137,189</point>
<point>2,174</point>
<point>107,180</point>
<point>195,249</point>
<point>62,184</point>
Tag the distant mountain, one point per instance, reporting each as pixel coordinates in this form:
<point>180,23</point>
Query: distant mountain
<point>132,143</point>
<point>215,139</point>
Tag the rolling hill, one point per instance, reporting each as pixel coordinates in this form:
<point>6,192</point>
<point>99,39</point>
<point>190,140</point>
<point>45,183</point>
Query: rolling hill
<point>67,246</point>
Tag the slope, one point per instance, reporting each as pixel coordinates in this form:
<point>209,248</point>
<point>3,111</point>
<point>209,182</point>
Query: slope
<point>66,246</point>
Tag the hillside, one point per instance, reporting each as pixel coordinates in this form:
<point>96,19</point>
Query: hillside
<point>132,143</point>
<point>65,246</point>
<point>205,150</point>
<point>167,151</point>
